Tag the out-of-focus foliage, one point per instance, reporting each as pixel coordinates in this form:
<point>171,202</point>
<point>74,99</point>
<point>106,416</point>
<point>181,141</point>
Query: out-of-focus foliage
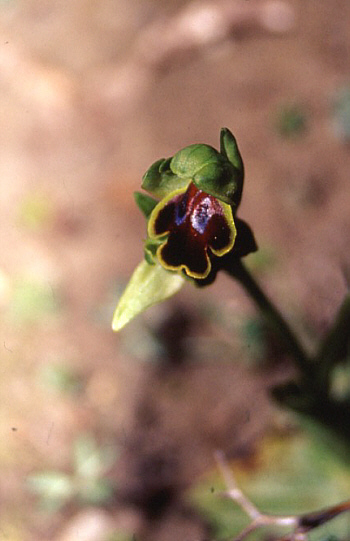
<point>291,121</point>
<point>254,334</point>
<point>120,536</point>
<point>341,380</point>
<point>288,475</point>
<point>262,260</point>
<point>35,211</point>
<point>32,300</point>
<point>86,484</point>
<point>60,377</point>
<point>341,112</point>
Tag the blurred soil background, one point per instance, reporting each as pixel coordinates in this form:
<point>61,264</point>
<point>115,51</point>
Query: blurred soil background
<point>102,436</point>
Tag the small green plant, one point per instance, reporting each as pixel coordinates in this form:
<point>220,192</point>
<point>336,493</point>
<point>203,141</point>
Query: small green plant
<point>60,378</point>
<point>193,233</point>
<point>85,484</point>
<point>291,121</point>
<point>31,299</point>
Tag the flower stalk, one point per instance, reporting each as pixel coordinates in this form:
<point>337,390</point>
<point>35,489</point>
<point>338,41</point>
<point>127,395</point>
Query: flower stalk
<point>193,233</point>
<point>272,315</point>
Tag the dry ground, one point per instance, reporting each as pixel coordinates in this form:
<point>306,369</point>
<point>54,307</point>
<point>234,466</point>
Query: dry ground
<point>92,92</point>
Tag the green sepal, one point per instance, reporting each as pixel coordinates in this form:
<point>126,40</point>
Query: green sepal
<point>229,149</point>
<point>151,247</point>
<point>208,169</point>
<point>191,160</point>
<point>217,173</point>
<point>145,203</point>
<point>159,179</point>
<point>149,285</point>
<point>164,166</point>
<point>219,180</point>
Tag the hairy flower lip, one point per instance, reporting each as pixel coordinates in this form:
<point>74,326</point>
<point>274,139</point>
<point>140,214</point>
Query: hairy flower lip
<point>196,224</point>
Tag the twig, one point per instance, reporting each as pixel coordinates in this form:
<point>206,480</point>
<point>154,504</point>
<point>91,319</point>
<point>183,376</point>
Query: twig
<point>234,492</point>
<point>301,524</point>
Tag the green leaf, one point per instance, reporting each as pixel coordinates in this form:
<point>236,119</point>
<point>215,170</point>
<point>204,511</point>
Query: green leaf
<point>32,301</point>
<point>149,285</point>
<point>291,121</point>
<point>87,460</point>
<point>292,474</point>
<point>53,485</point>
<point>91,461</point>
<point>145,203</point>
<point>151,247</point>
<point>95,492</point>
<point>60,377</point>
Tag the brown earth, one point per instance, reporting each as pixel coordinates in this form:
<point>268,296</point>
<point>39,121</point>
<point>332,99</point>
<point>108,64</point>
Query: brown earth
<point>92,92</point>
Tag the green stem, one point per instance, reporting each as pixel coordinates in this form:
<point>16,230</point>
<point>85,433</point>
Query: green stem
<point>272,316</point>
<point>314,400</point>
